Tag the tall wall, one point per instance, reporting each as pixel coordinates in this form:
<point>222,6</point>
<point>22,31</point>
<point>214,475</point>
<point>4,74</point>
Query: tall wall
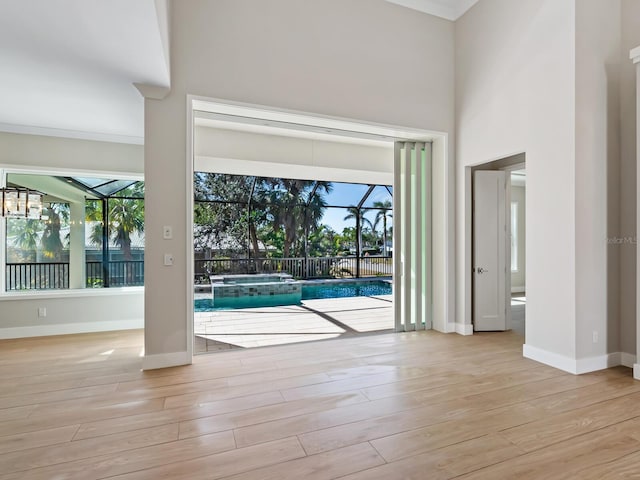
<point>84,310</point>
<point>362,59</point>
<point>515,92</point>
<point>597,177</point>
<point>628,182</point>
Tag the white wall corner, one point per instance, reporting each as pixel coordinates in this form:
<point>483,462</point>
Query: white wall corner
<point>464,329</point>
<point>627,359</point>
<point>156,92</point>
<point>549,358</point>
<point>634,55</point>
<point>165,360</point>
<point>580,365</point>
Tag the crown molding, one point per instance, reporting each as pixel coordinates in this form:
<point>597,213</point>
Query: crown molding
<point>156,92</point>
<point>77,134</point>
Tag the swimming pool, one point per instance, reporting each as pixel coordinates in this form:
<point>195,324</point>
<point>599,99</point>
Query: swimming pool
<point>313,291</point>
<point>346,289</point>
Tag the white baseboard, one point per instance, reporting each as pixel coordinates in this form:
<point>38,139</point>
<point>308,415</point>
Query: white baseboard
<point>548,358</point>
<point>601,362</point>
<point>69,328</point>
<point>164,360</point>
<point>627,360</point>
<point>581,365</point>
<point>464,329</point>
<point>636,371</point>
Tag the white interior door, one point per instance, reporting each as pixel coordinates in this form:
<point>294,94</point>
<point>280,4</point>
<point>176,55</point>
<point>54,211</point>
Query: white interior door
<point>490,251</point>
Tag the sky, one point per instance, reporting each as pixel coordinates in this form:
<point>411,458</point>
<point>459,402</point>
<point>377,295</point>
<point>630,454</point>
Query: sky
<point>348,194</point>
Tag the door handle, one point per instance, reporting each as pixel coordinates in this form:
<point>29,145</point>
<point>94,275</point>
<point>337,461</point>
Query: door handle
<point>481,270</point>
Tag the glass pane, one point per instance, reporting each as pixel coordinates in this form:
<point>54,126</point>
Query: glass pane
<point>38,250</point>
<point>346,194</point>
<point>113,186</point>
<point>379,198</point>
<point>134,190</point>
<point>125,229</point>
<point>91,181</point>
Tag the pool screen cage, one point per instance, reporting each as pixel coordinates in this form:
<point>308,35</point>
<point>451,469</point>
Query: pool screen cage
<point>307,228</point>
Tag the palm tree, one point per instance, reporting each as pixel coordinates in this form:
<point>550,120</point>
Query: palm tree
<point>27,236</point>
<point>296,207</point>
<point>382,215</point>
<point>357,214</point>
<point>52,246</point>
<point>126,217</point>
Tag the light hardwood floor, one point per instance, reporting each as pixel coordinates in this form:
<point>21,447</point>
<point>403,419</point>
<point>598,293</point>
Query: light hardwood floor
<point>391,406</point>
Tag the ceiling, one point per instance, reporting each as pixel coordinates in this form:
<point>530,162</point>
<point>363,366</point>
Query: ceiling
<point>449,9</point>
<point>68,66</point>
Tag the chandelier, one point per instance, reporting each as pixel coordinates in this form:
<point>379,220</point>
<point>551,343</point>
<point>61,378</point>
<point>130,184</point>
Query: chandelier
<point>21,202</point>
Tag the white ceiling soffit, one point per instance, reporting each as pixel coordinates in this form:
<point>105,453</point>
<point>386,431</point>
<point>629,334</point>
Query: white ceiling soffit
<point>270,127</point>
<point>207,112</point>
<point>68,66</point>
<point>449,9</point>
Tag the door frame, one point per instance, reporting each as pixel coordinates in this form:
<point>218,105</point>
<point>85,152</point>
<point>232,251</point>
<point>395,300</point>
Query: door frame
<point>516,161</point>
<point>443,223</point>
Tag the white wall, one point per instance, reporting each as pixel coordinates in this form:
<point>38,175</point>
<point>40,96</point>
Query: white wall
<point>597,177</point>
<point>518,194</point>
<point>83,155</point>
<point>515,92</point>
<point>82,310</point>
<point>79,311</point>
<point>362,59</point>
<point>628,181</point>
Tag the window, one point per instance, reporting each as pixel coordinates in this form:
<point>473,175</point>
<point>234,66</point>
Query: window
<point>90,235</point>
<point>514,236</point>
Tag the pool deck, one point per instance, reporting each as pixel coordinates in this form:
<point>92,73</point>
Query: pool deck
<point>312,320</point>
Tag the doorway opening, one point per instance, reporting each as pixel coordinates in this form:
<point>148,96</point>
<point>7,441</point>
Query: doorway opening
<point>281,260</point>
<point>498,253</point>
<point>265,142</point>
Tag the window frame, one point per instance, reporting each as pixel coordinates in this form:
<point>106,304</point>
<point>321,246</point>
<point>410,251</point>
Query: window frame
<point>6,170</point>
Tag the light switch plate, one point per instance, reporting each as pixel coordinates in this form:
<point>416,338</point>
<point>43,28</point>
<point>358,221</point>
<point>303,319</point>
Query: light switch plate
<point>167,232</point>
<point>168,259</point>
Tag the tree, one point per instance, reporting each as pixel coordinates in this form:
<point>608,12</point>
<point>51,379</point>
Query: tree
<point>357,214</point>
<point>221,218</point>
<point>57,215</point>
<point>26,234</point>
<point>125,218</point>
<point>382,214</point>
<point>296,206</point>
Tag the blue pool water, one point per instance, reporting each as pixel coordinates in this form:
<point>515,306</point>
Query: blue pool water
<point>341,290</point>
<point>312,292</point>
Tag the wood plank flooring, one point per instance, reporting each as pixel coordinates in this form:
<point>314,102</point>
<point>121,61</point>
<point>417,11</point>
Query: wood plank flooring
<point>419,405</point>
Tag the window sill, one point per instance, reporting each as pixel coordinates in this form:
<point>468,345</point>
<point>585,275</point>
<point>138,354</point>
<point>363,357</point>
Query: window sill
<point>75,293</point>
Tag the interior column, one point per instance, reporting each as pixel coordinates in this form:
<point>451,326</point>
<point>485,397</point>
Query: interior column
<point>77,269</point>
<point>635,57</point>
